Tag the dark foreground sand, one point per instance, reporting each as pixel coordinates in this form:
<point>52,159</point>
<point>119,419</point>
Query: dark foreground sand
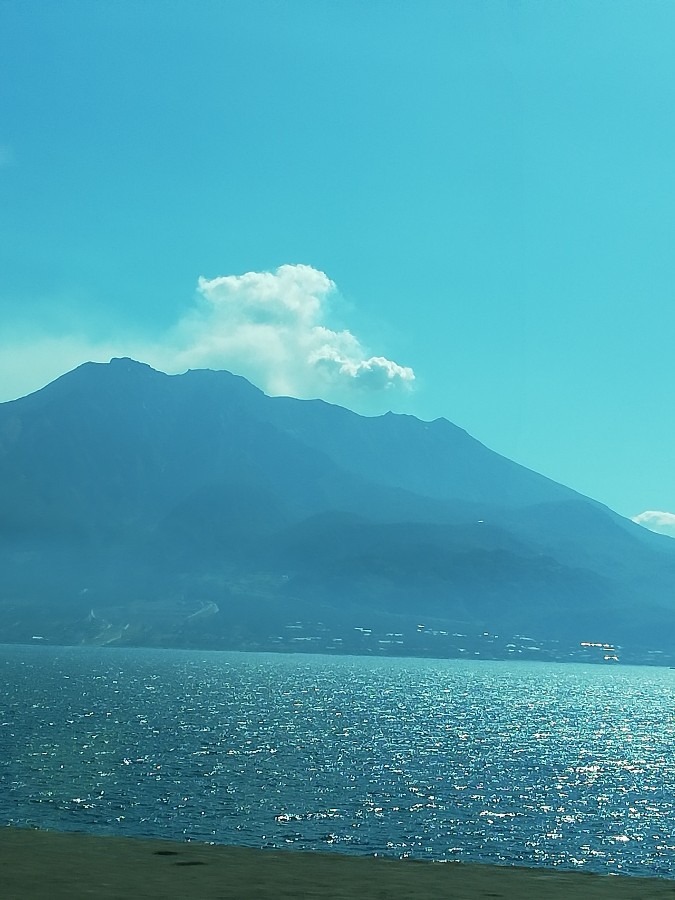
<point>50,866</point>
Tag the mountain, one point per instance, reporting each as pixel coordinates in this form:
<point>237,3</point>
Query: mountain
<point>193,510</point>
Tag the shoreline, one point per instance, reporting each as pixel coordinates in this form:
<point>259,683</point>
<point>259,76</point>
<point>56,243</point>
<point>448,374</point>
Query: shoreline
<point>36,864</point>
<point>631,663</point>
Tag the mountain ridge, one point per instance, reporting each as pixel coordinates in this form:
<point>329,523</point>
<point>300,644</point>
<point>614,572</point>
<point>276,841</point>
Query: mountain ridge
<point>120,481</point>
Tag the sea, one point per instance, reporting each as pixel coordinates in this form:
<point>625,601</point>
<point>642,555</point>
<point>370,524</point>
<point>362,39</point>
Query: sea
<point>509,763</point>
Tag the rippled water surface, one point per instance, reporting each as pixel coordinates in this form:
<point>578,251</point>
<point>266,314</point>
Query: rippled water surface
<point>496,762</point>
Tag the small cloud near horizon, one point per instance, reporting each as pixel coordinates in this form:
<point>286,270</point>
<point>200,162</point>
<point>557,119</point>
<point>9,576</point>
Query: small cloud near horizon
<point>657,520</point>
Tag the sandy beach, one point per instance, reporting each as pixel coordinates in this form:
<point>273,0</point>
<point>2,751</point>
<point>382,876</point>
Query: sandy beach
<point>43,865</point>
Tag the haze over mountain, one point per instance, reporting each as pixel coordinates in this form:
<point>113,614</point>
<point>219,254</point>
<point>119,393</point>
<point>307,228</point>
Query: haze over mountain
<point>194,510</point>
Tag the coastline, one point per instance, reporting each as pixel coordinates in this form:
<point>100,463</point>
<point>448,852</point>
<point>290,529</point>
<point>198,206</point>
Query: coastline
<point>36,864</point>
<point>639,660</point>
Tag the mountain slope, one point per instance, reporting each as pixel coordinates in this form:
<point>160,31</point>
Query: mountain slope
<point>131,500</point>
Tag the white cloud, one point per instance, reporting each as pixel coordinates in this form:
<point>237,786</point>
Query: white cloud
<point>272,327</point>
<point>657,520</point>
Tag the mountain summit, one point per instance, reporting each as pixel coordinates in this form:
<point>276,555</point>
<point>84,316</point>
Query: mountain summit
<point>194,510</point>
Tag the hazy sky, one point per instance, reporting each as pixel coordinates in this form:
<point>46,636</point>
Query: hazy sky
<point>460,209</point>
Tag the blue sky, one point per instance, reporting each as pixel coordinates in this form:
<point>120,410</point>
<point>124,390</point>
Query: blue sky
<point>449,209</point>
